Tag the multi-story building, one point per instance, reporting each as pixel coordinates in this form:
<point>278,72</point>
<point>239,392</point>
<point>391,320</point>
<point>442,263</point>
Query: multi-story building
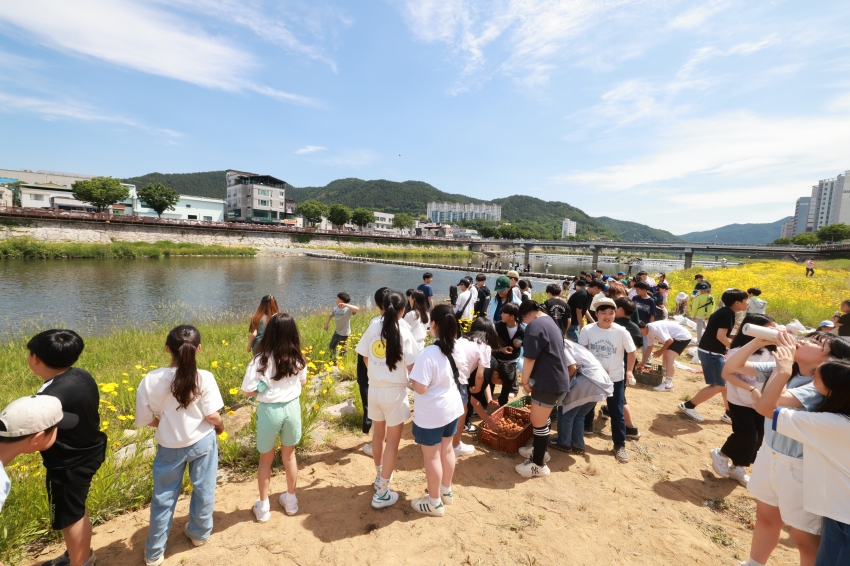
<point>787,229</point>
<point>801,216</point>
<point>40,177</point>
<point>829,203</point>
<point>51,195</point>
<point>187,208</point>
<point>568,228</point>
<point>455,212</point>
<point>257,198</point>
<point>6,196</point>
<point>383,223</point>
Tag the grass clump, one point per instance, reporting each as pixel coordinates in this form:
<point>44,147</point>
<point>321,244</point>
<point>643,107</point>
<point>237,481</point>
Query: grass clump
<point>412,254</point>
<point>29,248</point>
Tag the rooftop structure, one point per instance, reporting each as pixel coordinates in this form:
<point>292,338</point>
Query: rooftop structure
<point>257,198</point>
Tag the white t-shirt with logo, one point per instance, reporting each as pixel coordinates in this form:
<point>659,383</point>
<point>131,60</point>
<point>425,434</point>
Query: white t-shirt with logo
<point>441,402</point>
<point>465,298</point>
<point>469,355</point>
<point>373,348</point>
<point>271,390</point>
<point>662,330</point>
<point>608,345</point>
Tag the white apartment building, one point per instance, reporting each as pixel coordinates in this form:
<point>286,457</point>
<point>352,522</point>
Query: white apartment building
<point>41,177</point>
<point>257,198</point>
<point>801,216</point>
<point>787,229</point>
<point>829,203</point>
<point>383,223</point>
<point>439,212</point>
<point>568,228</point>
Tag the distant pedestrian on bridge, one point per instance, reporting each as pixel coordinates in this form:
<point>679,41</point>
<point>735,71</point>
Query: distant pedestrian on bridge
<point>810,267</point>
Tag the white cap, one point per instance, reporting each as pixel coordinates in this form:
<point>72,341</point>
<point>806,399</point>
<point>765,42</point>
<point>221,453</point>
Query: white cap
<point>29,415</point>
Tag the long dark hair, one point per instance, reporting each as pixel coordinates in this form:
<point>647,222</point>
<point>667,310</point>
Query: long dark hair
<point>444,319</point>
<point>281,343</point>
<point>419,306</point>
<point>268,307</point>
<point>183,342</point>
<point>379,296</point>
<point>742,339</point>
<point>390,332</point>
<point>835,375</point>
<point>483,332</point>
<point>837,348</point>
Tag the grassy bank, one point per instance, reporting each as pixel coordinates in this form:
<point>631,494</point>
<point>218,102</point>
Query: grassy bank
<point>788,292</point>
<point>390,253</point>
<point>30,248</point>
<point>118,361</point>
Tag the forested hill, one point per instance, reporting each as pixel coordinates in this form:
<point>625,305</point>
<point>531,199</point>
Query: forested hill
<point>209,184</point>
<point>633,231</point>
<point>739,233</point>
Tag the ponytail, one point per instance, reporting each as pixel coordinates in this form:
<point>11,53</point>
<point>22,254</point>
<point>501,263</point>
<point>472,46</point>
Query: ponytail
<point>444,319</point>
<point>419,306</point>
<point>390,332</point>
<point>183,342</point>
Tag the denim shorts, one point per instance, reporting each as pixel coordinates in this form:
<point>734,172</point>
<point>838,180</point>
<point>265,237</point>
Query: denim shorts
<point>433,436</point>
<point>712,368</point>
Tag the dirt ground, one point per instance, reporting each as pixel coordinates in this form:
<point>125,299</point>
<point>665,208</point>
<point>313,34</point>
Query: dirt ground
<point>665,506</point>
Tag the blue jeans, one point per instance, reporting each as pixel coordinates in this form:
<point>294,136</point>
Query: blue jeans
<point>835,544</point>
<point>615,411</point>
<point>572,332</point>
<point>168,468</point>
<point>712,368</point>
<point>571,425</point>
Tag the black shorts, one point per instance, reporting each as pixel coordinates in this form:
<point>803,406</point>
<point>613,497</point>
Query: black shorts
<point>481,396</point>
<point>679,346</point>
<point>67,491</point>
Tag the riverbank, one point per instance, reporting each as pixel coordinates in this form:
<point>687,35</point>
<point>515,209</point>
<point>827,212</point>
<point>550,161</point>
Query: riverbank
<point>403,253</point>
<point>29,248</point>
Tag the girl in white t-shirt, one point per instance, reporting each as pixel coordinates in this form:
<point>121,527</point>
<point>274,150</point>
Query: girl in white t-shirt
<point>388,350</point>
<point>436,387</point>
<point>275,376</point>
<point>182,403</point>
<point>747,424</point>
<point>417,317</point>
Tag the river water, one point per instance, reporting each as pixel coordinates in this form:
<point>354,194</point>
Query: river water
<point>101,294</point>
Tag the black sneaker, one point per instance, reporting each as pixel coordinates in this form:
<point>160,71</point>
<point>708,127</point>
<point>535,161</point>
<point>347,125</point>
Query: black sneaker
<point>588,432</point>
<point>470,428</point>
<point>632,433</point>
<point>577,451</point>
<point>603,413</point>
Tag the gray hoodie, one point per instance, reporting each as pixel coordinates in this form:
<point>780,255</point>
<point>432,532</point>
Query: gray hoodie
<point>757,306</point>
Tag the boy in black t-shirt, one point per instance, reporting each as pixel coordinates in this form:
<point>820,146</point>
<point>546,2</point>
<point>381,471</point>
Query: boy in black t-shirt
<point>78,452</point>
<point>483,301</point>
<point>712,350</point>
<point>510,334</point>
<point>557,308</point>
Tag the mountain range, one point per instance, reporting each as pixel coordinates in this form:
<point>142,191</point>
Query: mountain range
<point>533,215</point>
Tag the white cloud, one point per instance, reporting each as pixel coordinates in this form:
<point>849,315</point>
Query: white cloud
<point>706,53</point>
<point>698,15</point>
<point>160,44</point>
<point>309,149</point>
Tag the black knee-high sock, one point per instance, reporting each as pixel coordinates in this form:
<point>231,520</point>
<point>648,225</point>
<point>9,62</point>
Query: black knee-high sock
<point>541,440</point>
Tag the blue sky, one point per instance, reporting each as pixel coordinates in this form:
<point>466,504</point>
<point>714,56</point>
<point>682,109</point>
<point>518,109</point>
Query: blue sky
<point>681,115</point>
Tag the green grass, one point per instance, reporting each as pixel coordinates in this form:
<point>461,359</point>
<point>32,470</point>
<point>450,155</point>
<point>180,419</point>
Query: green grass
<point>118,361</point>
<point>30,248</point>
<point>401,253</point>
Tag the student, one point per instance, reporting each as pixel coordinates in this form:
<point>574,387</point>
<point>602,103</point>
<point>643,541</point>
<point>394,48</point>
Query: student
<point>546,376</point>
<point>712,349</point>
<point>660,298</point>
<point>841,321</point>
<point>624,316</point>
<point>511,334</point>
<point>389,350</point>
<point>417,318</point>
<point>78,452</point>
<point>275,376</point>
<point>824,433</point>
<point>452,295</point>
<point>341,314</point>
<point>513,276</point>
<point>483,336</point>
<point>268,307</point>
<point>645,306</point>
<point>483,300</point>
<point>557,308</point>
<point>409,306</point>
<point>810,267</point>
<point>524,289</point>
<point>757,304</point>
<point>472,356</point>
<point>181,402</point>
<point>607,341</point>
<point>747,424</point>
<point>674,338</point>
<point>363,373</point>
<point>503,296</point>
<point>578,302</point>
<point>699,279</point>
<point>598,290</point>
<point>621,277</point>
<point>776,473</point>
<point>426,289</point>
<point>29,425</point>
<point>465,303</point>
<point>436,395</point>
<point>701,306</point>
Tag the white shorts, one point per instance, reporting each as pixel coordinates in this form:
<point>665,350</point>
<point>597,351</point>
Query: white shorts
<point>389,404</point>
<point>777,480</point>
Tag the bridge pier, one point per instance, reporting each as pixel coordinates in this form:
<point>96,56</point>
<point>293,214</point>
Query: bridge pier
<point>689,258</point>
<point>527,257</point>
<point>595,252</point>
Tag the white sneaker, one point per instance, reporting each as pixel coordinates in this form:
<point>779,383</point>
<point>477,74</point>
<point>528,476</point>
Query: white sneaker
<point>367,449</point>
<point>447,498</point>
<point>726,419</point>
<point>289,505</point>
<point>463,450</point>
<point>529,469</point>
<point>148,562</point>
<point>423,505</point>
<point>692,413</point>
<point>377,484</point>
<point>381,501</point>
<point>719,463</point>
<point>739,474</point>
<point>196,542</point>
<point>528,451</point>
<point>665,386</point>
<point>262,514</point>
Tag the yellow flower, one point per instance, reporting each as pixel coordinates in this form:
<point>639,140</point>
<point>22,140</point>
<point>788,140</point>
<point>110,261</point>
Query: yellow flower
<point>153,367</point>
<point>223,435</point>
<point>340,367</point>
<point>140,367</point>
<point>104,423</point>
<point>129,389</point>
<point>311,365</point>
<point>125,382</point>
<point>114,393</point>
<point>234,390</point>
<point>126,374</point>
<point>224,342</point>
<point>316,407</point>
<point>227,364</point>
<point>214,365</point>
<point>116,444</point>
<point>122,418</point>
<point>231,413</point>
<point>321,352</point>
<point>324,391</point>
<point>112,408</point>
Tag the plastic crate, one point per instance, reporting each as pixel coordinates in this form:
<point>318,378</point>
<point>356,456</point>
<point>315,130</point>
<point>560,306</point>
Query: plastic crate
<point>521,402</point>
<point>510,445</point>
<point>653,375</point>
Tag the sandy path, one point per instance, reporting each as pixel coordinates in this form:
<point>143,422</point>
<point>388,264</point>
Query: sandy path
<point>591,510</point>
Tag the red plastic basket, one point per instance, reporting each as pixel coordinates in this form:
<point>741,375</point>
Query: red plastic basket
<point>499,441</point>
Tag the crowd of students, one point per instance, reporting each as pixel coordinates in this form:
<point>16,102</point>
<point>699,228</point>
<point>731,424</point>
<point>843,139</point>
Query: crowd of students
<point>788,401</point>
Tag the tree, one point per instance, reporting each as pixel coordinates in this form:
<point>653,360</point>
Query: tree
<point>402,221</point>
<point>159,197</point>
<point>312,211</point>
<point>100,191</point>
<point>806,239</point>
<point>362,216</point>
<point>783,241</point>
<point>339,215</point>
<point>834,232</point>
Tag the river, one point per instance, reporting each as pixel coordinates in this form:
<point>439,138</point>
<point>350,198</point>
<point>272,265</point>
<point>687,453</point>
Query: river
<point>100,294</point>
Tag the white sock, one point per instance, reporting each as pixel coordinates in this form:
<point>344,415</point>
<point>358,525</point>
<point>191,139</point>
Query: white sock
<point>264,503</point>
<point>445,490</point>
<point>383,486</point>
<point>435,502</point>
<point>378,469</point>
<point>752,562</point>
<point>289,496</point>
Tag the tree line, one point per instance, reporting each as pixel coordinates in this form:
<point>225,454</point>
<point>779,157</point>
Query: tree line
<point>831,234</point>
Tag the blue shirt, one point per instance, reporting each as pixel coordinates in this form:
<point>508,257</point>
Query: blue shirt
<point>645,308</point>
<point>803,389</point>
<point>428,292</point>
